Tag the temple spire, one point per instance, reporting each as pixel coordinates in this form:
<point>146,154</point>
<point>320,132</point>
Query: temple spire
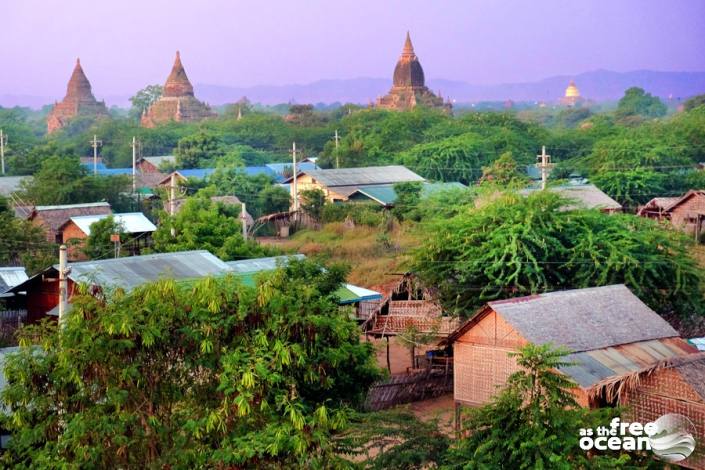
<point>178,84</point>
<point>408,46</point>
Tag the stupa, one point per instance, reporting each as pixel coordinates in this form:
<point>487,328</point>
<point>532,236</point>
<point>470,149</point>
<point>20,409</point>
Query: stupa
<point>177,102</point>
<point>408,87</point>
<point>572,95</point>
<point>79,101</point>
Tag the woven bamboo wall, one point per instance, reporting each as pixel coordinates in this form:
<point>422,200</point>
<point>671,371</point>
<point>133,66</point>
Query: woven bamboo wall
<point>481,359</point>
<point>665,391</point>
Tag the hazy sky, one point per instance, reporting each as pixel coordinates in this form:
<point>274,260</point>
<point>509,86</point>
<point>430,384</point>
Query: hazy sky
<point>126,44</point>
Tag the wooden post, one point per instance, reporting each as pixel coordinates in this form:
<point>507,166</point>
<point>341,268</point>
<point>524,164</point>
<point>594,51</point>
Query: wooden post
<point>457,419</point>
<point>95,143</point>
<point>294,183</point>
<point>389,365</point>
<point>172,201</point>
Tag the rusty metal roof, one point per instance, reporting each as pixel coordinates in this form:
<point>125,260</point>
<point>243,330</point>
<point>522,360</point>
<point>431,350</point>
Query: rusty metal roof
<point>590,367</point>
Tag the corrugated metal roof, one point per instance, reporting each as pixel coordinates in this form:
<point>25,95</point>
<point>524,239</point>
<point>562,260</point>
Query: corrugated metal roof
<point>286,168</point>
<point>247,270</point>
<point>255,265</point>
<point>584,319</point>
<point>133,271</point>
<point>362,176</point>
<point>385,194</point>
<point>586,196</point>
<point>131,222</point>
<point>71,206</point>
<point>11,276</point>
<point>590,367</point>
<point>10,184</point>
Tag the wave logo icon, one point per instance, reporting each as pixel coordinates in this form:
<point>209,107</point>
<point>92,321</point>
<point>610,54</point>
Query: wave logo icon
<point>673,440</point>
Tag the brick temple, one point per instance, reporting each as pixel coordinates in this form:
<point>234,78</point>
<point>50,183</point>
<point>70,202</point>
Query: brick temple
<point>177,102</point>
<point>409,89</point>
<point>79,101</point>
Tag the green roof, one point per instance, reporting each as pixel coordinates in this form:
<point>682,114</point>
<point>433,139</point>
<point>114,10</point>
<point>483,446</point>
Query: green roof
<point>248,269</point>
<point>384,193</point>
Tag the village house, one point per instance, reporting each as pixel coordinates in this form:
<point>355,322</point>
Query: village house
<point>155,164</point>
<point>656,208</point>
<point>340,184</point>
<point>582,196</point>
<point>688,213</point>
<point>610,336</point>
<point>52,218</point>
<point>386,196</point>
<point>41,291</point>
<point>77,229</point>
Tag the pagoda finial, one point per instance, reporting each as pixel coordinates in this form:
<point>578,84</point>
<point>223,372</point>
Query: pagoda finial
<point>78,61</point>
<point>408,46</point>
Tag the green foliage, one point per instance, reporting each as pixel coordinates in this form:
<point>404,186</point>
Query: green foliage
<point>66,181</point>
<point>194,150</point>
<point>272,199</point>
<point>457,158</point>
<point>631,188</point>
<point>369,214</point>
<point>408,199</point>
<point>202,224</point>
<point>22,243</point>
<point>98,244</point>
<point>312,202</point>
<point>694,102</point>
<point>636,102</point>
<point>394,439</point>
<point>533,423</point>
<point>211,374</point>
<point>514,246</point>
<point>257,191</point>
<point>505,172</point>
<point>144,98</point>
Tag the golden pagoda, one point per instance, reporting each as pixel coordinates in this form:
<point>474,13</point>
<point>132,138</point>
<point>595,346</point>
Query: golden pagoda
<point>408,86</point>
<point>178,102</point>
<point>572,95</point>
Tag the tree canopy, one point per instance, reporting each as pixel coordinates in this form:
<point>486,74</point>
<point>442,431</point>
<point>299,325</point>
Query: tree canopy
<point>207,374</point>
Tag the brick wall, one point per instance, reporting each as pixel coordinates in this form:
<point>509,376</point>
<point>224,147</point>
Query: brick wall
<point>74,238</point>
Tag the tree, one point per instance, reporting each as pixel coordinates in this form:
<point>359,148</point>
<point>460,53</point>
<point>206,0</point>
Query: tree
<point>504,171</point>
<point>208,374</point>
<point>272,199</point>
<point>63,180</point>
<point>533,422</point>
<point>99,242</point>
<point>694,102</point>
<point>202,224</point>
<point>144,98</point>
<point>192,151</point>
<point>631,188</point>
<point>407,200</point>
<point>636,102</point>
<point>513,246</point>
<point>22,243</point>
<point>312,202</point>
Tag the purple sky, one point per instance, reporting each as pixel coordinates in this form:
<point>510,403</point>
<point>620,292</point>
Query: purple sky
<point>126,44</point>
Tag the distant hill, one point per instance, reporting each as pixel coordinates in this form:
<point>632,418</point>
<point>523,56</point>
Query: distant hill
<point>598,85</point>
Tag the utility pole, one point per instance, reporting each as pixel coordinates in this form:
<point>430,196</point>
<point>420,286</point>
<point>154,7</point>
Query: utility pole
<point>172,201</point>
<point>95,143</point>
<point>3,142</point>
<point>134,164</point>
<point>544,164</point>
<point>63,285</point>
<point>294,183</point>
<point>243,216</point>
<point>337,152</point>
